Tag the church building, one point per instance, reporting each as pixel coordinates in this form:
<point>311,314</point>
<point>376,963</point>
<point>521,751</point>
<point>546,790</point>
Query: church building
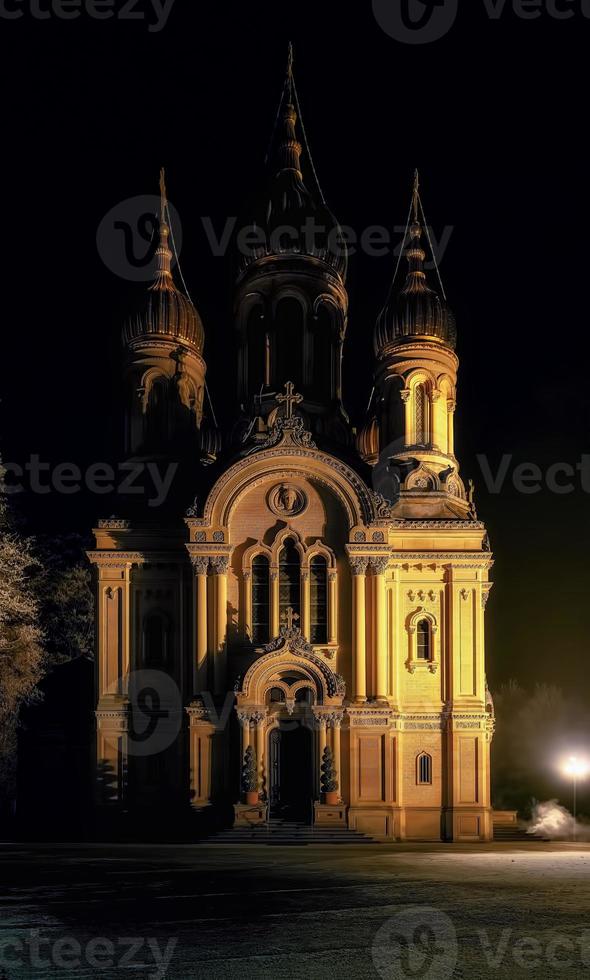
<point>304,637</point>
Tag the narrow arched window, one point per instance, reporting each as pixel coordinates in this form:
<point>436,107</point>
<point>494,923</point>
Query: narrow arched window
<point>157,414</point>
<point>156,641</point>
<point>424,769</point>
<point>289,581</point>
<point>260,599</point>
<point>420,415</point>
<point>289,339</point>
<point>423,640</point>
<point>257,351</point>
<point>276,696</point>
<point>318,596</point>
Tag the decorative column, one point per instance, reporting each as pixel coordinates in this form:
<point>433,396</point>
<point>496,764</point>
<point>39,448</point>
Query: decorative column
<point>451,406</point>
<point>378,566</point>
<point>322,742</point>
<point>359,627</point>
<point>258,719</point>
<point>335,722</point>
<point>200,567</point>
<point>305,605</point>
<point>275,625</point>
<point>405,397</point>
<point>247,610</point>
<point>220,565</point>
<point>332,608</point>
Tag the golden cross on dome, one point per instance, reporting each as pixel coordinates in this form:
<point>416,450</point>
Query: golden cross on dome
<point>290,399</point>
<point>291,617</point>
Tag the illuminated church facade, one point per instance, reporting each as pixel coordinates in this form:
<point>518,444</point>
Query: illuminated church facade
<point>327,588</point>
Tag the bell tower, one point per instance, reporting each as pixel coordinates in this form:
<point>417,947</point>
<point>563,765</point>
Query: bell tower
<point>409,438</point>
<point>164,373</point>
<point>290,301</point>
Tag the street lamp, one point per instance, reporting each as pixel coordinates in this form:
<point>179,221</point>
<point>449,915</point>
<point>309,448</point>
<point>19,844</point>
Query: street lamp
<point>577,769</point>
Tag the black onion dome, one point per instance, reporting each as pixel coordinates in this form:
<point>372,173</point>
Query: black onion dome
<point>165,311</point>
<point>286,218</point>
<point>417,310</point>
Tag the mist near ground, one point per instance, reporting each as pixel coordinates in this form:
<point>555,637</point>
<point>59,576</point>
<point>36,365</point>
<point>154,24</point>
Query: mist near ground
<point>537,730</point>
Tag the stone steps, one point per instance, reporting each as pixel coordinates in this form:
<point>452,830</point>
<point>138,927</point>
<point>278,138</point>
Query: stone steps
<point>510,832</point>
<point>285,833</point>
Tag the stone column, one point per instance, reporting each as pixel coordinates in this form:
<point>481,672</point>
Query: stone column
<point>200,680</point>
<point>258,720</point>
<point>378,566</point>
<point>322,742</point>
<point>275,625</point>
<point>336,723</point>
<point>451,405</point>
<point>220,565</point>
<point>359,628</point>
<point>332,608</point>
<point>305,605</point>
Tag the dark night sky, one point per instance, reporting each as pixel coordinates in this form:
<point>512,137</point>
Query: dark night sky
<point>493,115</point>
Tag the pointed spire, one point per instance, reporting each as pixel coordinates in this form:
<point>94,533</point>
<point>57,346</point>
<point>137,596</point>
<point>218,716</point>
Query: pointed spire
<point>416,310</point>
<point>163,278</point>
<point>288,155</point>
<point>415,254</point>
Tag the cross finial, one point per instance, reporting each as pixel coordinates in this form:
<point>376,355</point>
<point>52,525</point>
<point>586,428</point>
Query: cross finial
<point>289,398</point>
<point>291,617</point>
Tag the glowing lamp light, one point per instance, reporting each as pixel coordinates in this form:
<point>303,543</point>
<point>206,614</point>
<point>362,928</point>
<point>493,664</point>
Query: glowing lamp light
<point>576,768</point>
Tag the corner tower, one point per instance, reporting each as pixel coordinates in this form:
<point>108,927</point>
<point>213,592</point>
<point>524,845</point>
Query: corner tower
<point>290,302</point>
<point>164,373</point>
<point>409,438</point>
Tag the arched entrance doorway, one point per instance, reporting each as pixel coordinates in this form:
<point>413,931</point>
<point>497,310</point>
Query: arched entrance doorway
<point>291,770</point>
<point>280,704</point>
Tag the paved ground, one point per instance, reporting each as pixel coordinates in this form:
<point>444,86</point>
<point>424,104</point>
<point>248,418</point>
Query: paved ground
<point>390,911</point>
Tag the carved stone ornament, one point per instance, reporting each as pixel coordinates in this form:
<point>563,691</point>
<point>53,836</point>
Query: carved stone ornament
<point>193,510</point>
<point>379,563</point>
<point>383,507</point>
<point>287,431</point>
<point>291,639</point>
<point>358,566</point>
<point>200,564</point>
<point>219,564</point>
<point>114,524</point>
<point>286,500</point>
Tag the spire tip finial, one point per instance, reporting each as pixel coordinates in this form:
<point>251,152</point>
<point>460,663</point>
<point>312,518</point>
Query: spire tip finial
<point>163,199</point>
<point>416,193</point>
<point>290,58</point>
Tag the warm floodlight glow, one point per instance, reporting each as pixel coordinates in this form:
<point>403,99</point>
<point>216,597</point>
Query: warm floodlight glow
<point>576,767</point>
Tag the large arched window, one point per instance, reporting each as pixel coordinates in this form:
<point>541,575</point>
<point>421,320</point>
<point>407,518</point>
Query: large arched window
<point>424,769</point>
<point>318,596</point>
<point>260,599</point>
<point>423,640</point>
<point>156,641</point>
<point>289,580</point>
<point>420,415</point>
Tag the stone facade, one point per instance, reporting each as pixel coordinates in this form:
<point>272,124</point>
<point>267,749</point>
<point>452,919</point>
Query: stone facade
<point>324,594</point>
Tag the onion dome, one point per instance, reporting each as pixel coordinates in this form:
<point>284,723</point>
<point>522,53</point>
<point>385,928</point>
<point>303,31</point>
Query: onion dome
<point>286,218</point>
<point>166,311</point>
<point>367,441</point>
<point>416,311</point>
